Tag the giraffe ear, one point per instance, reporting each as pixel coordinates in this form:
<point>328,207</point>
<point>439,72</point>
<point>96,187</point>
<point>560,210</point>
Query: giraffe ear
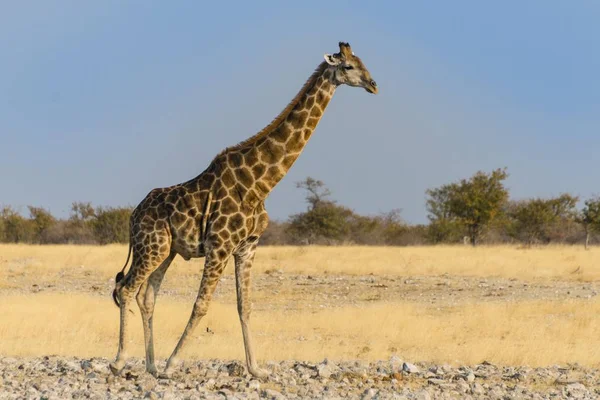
<point>332,59</point>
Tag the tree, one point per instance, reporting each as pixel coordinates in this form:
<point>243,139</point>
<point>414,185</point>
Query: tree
<point>538,220</point>
<point>79,227</point>
<point>111,225</point>
<point>324,221</point>
<point>443,227</point>
<point>82,212</point>
<point>317,192</point>
<point>473,203</point>
<point>589,217</point>
<point>16,229</point>
<point>42,221</point>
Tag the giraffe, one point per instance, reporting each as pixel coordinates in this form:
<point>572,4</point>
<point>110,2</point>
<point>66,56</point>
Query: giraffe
<point>221,213</point>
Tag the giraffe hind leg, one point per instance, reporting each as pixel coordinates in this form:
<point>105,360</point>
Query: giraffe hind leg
<point>143,264</point>
<point>146,300</point>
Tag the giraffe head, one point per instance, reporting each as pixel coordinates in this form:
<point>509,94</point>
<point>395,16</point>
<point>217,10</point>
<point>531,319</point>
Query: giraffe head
<point>350,70</point>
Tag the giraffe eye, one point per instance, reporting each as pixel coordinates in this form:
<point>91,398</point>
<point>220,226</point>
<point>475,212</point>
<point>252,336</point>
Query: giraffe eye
<point>348,67</point>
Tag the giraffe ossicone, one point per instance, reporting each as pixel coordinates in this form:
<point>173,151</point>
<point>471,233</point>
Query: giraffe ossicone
<point>220,213</point>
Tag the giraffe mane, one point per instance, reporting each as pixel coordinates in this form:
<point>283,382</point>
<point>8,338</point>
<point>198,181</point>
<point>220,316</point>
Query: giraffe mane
<point>283,114</point>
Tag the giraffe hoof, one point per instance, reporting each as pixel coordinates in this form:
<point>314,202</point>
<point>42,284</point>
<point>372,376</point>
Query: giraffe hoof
<point>259,372</point>
<point>152,371</point>
<point>166,374</point>
<point>115,369</point>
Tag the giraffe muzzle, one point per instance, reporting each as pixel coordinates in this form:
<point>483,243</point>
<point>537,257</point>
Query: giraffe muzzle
<point>371,87</point>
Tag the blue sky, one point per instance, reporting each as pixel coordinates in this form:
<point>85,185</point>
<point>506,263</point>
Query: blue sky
<point>103,101</point>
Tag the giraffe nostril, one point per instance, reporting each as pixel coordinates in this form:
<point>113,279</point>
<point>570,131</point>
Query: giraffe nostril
<point>373,83</point>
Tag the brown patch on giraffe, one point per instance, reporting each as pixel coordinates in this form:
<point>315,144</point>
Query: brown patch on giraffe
<point>244,176</point>
<point>188,225</point>
<point>310,102</point>
<point>227,178</point>
<point>263,186</point>
<point>219,223</point>
<point>281,133</point>
<point>316,112</point>
<point>236,222</point>
<point>224,234</point>
<point>238,192</point>
<point>222,253</point>
<point>258,170</point>
<point>152,212</point>
<point>295,143</point>
<point>160,225</point>
<point>288,161</point>
<point>228,206</point>
<point>221,192</point>
<point>274,174</point>
<point>312,123</point>
<point>297,118</point>
<point>205,181</point>
<point>235,159</point>
<point>321,98</point>
<point>251,198</point>
<point>251,157</point>
<point>307,133</point>
<point>270,152</point>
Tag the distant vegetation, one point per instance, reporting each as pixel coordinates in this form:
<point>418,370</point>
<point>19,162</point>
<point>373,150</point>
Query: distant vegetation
<point>477,210</point>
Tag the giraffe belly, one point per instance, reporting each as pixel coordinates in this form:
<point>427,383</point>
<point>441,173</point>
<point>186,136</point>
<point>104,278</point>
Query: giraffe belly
<point>188,249</point>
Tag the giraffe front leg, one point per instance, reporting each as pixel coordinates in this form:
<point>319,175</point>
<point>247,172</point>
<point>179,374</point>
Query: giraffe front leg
<point>243,264</point>
<point>213,268</point>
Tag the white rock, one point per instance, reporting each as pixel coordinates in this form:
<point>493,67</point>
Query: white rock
<point>410,368</point>
<point>576,390</point>
<point>470,377</point>
<point>254,385</point>
<point>326,369</point>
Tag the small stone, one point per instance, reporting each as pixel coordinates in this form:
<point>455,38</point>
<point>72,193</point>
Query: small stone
<point>236,369</point>
<point>210,383</point>
<point>86,365</point>
<point>470,377</point>
<point>326,369</point>
<point>369,394</point>
<point>410,368</point>
<point>272,394</point>
<point>253,385</point>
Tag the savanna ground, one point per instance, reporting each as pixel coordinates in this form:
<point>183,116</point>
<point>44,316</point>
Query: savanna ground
<point>453,305</point>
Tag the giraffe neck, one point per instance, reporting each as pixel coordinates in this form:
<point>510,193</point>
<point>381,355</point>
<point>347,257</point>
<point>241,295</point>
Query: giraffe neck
<point>278,148</point>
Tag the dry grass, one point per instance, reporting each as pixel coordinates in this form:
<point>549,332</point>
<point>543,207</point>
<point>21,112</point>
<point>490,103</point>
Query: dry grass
<point>553,262</point>
<point>530,333</point>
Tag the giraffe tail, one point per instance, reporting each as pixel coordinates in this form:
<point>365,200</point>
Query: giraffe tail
<point>120,276</point>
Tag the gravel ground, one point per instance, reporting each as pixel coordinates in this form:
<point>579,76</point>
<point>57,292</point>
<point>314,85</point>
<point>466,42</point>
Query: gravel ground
<point>73,378</point>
